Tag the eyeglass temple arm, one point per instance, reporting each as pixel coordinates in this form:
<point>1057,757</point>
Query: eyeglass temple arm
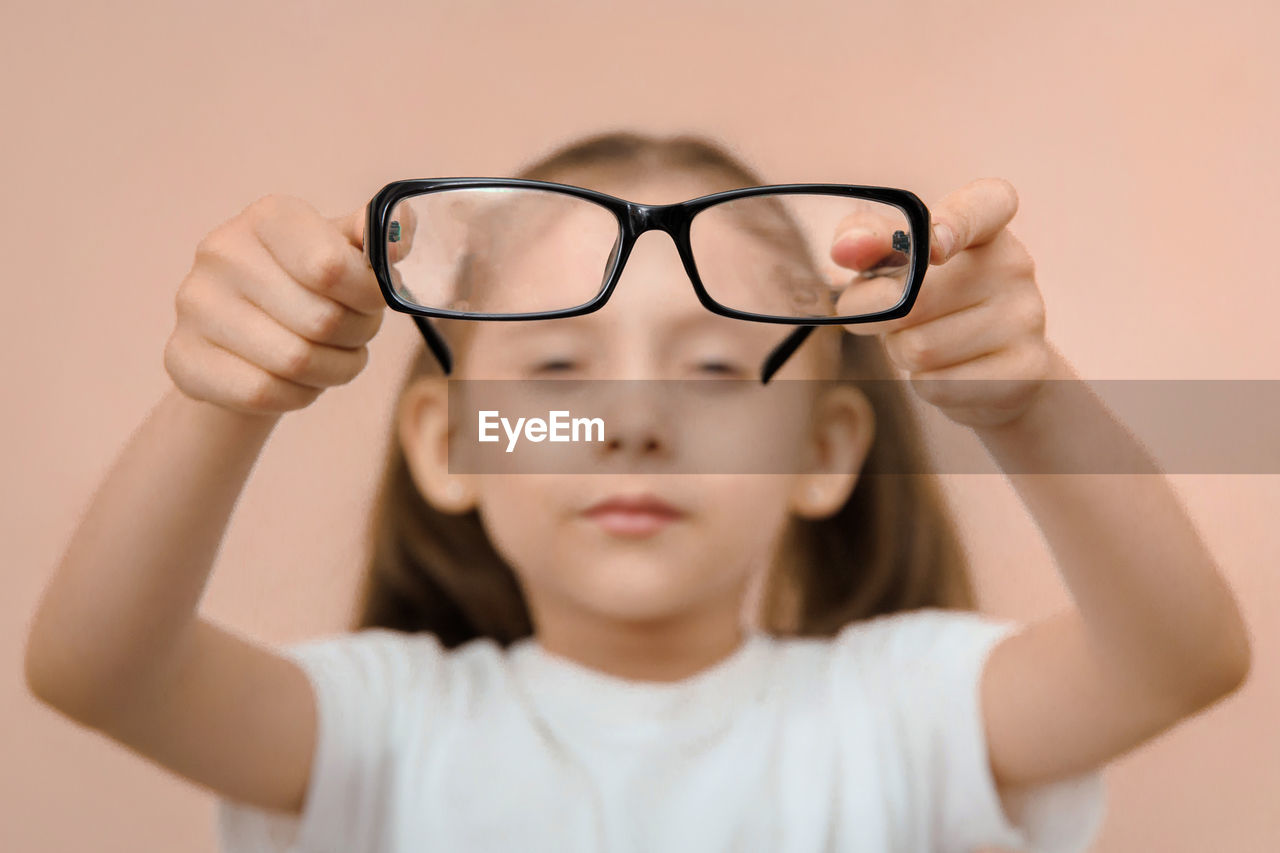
<point>772,364</point>
<point>783,351</point>
<point>435,343</point>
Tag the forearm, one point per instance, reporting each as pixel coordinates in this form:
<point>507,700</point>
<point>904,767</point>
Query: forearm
<point>1150,598</point>
<point>130,580</point>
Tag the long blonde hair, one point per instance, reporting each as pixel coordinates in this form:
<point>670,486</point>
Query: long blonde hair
<point>891,547</point>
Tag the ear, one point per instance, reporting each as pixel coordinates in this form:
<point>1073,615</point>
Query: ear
<point>843,429</point>
<point>424,431</point>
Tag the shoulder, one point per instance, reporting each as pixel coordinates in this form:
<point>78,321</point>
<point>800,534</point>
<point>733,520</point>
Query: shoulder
<point>385,664</point>
<point>912,664</point>
<point>920,624</point>
<point>925,638</point>
<point>370,655</point>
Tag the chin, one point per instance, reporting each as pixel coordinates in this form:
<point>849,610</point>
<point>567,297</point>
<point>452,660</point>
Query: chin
<point>630,588</point>
<point>636,591</point>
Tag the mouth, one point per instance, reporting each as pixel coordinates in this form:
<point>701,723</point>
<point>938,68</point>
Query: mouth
<point>633,515</point>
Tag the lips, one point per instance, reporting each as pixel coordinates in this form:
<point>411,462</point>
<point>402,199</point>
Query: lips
<point>633,515</point>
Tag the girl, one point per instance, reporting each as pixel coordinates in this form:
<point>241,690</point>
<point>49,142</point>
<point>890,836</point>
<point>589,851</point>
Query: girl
<point>782,662</point>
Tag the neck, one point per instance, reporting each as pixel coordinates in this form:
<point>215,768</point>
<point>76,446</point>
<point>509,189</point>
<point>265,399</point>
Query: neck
<point>664,649</point>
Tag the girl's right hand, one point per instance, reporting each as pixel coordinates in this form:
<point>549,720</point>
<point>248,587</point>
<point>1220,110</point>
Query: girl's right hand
<point>278,306</point>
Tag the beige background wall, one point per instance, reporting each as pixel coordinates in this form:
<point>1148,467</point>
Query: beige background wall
<point>1142,138</point>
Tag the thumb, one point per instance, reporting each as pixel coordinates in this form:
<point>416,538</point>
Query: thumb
<point>352,225</point>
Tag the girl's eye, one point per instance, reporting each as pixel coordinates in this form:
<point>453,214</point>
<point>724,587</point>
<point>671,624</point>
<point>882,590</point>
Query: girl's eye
<point>720,368</point>
<point>564,365</point>
<point>555,365</point>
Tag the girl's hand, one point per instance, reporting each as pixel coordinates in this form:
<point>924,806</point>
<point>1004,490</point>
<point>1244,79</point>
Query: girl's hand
<point>979,315</point>
<point>278,306</point>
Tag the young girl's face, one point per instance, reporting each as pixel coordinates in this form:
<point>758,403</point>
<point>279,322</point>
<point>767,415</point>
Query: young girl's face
<point>702,537</point>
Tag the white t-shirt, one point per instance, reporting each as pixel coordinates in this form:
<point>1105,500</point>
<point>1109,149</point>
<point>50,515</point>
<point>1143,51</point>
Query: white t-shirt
<point>869,740</point>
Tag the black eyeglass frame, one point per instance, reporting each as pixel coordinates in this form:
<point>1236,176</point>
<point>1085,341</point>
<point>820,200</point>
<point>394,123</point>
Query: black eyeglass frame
<point>635,219</point>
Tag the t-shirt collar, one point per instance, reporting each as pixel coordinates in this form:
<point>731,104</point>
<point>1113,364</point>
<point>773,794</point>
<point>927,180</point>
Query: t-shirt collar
<point>595,703</point>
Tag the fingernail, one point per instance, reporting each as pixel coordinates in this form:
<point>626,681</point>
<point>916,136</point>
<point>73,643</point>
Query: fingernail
<point>944,237</point>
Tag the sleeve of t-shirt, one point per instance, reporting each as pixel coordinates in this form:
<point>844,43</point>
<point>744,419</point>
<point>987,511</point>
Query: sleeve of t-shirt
<point>366,684</point>
<point>921,670</point>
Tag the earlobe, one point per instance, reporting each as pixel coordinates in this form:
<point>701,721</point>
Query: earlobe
<point>843,429</point>
<point>815,500</point>
<point>424,430</point>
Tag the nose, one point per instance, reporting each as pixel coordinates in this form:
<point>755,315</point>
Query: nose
<point>638,422</point>
<point>653,295</point>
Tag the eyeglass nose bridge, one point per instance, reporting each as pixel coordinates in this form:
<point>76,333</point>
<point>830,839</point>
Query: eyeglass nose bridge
<point>653,217</point>
<point>640,218</point>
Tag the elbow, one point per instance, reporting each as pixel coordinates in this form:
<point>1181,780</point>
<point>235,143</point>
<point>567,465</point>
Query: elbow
<point>45,678</point>
<point>40,683</point>
<point>34,670</point>
<point>63,693</point>
<point>41,678</point>
<point>58,685</point>
<point>1235,671</point>
<point>1225,669</point>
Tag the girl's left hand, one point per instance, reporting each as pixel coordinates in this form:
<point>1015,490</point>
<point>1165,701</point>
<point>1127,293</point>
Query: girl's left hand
<point>979,315</point>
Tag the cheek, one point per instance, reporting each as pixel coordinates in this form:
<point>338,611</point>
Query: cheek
<point>750,510</point>
<point>751,432</point>
<point>519,514</point>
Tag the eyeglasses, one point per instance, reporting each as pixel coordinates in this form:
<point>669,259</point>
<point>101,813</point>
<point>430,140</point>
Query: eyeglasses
<point>513,249</point>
